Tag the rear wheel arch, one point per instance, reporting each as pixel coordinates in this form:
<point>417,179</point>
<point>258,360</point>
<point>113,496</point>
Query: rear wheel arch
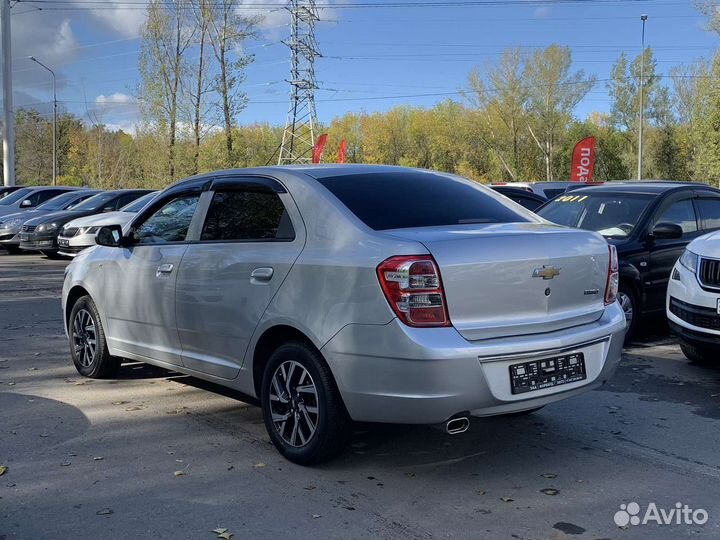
<point>271,339</point>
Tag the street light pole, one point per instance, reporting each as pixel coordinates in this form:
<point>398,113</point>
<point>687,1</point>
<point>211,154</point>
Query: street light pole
<point>54,177</point>
<point>8,139</point>
<point>643,18</point>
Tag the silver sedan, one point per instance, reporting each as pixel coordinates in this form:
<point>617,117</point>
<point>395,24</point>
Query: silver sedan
<point>341,293</point>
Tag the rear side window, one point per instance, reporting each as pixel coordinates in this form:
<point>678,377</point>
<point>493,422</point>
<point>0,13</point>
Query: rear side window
<point>417,199</point>
<point>710,213</point>
<point>248,215</point>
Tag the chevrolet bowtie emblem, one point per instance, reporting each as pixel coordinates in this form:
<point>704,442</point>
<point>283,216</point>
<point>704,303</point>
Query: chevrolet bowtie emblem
<point>546,272</point>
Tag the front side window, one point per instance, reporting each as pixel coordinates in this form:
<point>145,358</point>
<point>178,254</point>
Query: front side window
<point>247,215</point>
<point>170,222</point>
<point>679,213</point>
<point>710,213</point>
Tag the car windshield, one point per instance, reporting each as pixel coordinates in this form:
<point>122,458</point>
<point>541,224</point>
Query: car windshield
<point>614,215</point>
<point>399,200</point>
<point>138,204</point>
<point>15,196</point>
<point>96,202</point>
<point>61,202</point>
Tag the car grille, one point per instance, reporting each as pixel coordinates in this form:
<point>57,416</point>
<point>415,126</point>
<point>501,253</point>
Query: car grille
<point>700,316</point>
<point>70,232</point>
<point>29,228</point>
<point>709,274</point>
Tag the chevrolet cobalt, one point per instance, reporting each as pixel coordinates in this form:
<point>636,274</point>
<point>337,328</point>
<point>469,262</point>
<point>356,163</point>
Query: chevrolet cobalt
<point>341,293</point>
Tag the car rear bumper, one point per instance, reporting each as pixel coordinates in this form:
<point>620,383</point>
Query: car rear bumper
<point>397,374</point>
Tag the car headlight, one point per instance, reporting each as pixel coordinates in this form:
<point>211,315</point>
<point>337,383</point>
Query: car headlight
<point>689,260</point>
<point>47,227</point>
<point>88,230</point>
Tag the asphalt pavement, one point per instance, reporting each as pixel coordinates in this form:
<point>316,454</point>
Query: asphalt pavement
<point>156,454</point>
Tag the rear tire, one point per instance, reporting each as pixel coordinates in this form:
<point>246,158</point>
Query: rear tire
<point>629,304</point>
<point>88,346</point>
<point>698,355</point>
<point>303,411</point>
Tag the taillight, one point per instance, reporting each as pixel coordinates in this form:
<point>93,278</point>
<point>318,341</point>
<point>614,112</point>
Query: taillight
<point>413,288</point>
<point>613,278</point>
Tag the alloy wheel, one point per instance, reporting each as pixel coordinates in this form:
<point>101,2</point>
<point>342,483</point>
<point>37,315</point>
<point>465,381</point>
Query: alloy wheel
<point>294,403</point>
<point>84,338</point>
<point>627,307</point>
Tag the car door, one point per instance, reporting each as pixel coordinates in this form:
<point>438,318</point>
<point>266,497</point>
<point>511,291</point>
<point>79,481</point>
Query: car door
<point>708,207</point>
<point>664,253</point>
<point>250,238</point>
<point>140,280</point>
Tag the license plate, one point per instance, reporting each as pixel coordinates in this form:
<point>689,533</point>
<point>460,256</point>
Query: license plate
<point>547,373</point>
<point>63,243</point>
<point>24,237</point>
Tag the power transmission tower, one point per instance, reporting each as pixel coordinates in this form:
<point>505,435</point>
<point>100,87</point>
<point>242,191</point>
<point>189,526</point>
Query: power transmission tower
<point>299,135</point>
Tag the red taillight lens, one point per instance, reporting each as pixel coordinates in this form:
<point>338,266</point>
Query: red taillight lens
<point>613,278</point>
<point>414,291</point>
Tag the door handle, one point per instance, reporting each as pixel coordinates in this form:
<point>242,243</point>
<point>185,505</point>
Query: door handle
<point>261,275</point>
<point>164,269</point>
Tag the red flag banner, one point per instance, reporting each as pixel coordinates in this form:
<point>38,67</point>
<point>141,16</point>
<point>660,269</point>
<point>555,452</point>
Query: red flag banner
<point>583,161</point>
<point>319,147</point>
<point>342,153</point>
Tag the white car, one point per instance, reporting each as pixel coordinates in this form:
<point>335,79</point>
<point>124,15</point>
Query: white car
<point>79,234</point>
<point>693,299</point>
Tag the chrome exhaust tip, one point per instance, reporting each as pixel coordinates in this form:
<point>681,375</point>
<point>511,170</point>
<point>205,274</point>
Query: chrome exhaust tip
<point>459,424</point>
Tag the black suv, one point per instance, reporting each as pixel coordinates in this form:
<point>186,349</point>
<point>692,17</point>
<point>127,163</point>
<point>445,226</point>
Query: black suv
<point>650,223</point>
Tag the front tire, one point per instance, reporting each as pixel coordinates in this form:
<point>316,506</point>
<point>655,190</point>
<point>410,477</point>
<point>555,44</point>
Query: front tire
<point>698,355</point>
<point>88,346</point>
<point>303,411</point>
<point>54,255</point>
<point>629,304</point>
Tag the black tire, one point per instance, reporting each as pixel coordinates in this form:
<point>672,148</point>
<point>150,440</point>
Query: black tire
<point>332,424</point>
<point>54,255</point>
<point>631,296</point>
<point>12,250</point>
<point>698,354</point>
<point>84,326</point>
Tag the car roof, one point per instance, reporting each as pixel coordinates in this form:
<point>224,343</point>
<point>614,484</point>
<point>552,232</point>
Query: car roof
<point>313,171</point>
<point>645,187</point>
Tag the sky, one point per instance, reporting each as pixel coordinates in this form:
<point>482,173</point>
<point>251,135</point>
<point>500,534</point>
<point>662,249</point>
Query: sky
<point>374,58</point>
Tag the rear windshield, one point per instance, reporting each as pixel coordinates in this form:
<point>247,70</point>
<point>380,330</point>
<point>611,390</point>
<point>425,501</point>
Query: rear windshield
<point>402,200</point>
<point>614,215</point>
<point>15,196</point>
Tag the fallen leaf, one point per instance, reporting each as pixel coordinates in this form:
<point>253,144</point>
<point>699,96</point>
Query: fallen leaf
<point>550,491</point>
<point>506,499</point>
<point>316,516</point>
<point>481,492</point>
<point>259,465</point>
<point>104,512</point>
<point>231,467</point>
<point>120,402</point>
<point>219,531</point>
<point>179,473</point>
<point>44,435</point>
<point>98,458</point>
<point>135,408</point>
<point>409,474</point>
<point>32,369</point>
<point>226,535</point>
<point>548,475</point>
<point>3,469</point>
<point>66,464</point>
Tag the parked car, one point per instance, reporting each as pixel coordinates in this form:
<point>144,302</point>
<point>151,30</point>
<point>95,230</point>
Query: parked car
<point>528,199</point>
<point>340,293</point>
<point>548,190</point>
<point>29,197</point>
<point>79,234</point>
<point>11,224</point>
<point>693,299</point>
<point>40,233</point>
<point>7,190</point>
<point>650,223</point>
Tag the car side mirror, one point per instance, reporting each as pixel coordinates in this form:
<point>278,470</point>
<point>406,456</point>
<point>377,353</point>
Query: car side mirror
<point>110,236</point>
<point>666,231</point>
<point>27,203</point>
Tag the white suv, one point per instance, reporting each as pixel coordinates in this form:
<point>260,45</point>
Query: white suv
<point>693,299</point>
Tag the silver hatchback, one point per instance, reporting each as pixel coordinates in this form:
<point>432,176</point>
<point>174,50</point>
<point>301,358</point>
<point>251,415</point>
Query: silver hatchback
<point>341,293</point>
